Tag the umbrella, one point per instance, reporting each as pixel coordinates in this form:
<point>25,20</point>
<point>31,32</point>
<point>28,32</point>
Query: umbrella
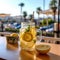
<point>48,12</point>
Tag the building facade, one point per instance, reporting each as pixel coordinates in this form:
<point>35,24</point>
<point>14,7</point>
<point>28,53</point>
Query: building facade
<point>4,16</point>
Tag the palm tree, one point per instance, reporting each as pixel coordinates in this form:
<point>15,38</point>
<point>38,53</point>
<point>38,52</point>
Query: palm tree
<point>31,17</point>
<point>53,6</point>
<point>24,15</point>
<point>21,5</point>
<point>38,11</point>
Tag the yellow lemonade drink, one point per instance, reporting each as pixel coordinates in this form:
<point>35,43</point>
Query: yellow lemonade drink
<point>27,36</point>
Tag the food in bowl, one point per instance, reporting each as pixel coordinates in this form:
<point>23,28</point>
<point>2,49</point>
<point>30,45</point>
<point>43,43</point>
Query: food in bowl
<point>14,34</point>
<point>12,38</point>
<point>43,49</point>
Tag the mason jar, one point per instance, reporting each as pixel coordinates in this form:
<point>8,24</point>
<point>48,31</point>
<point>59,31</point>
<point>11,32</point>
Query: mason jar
<point>28,36</point>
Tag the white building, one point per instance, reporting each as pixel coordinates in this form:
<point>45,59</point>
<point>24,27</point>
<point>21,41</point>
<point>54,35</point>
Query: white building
<point>18,18</point>
<point>4,16</point>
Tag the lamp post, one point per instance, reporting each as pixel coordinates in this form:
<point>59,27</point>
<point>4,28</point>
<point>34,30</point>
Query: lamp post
<point>43,7</point>
<point>2,25</point>
<point>58,18</point>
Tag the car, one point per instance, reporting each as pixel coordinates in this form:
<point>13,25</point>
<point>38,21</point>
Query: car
<point>50,30</point>
<point>52,25</point>
<point>15,24</point>
<point>18,26</point>
<point>46,27</point>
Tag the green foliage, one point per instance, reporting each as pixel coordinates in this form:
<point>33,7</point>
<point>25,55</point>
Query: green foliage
<point>31,16</point>
<point>53,3</point>
<point>44,22</point>
<point>50,21</point>
<point>40,24</point>
<point>37,27</point>
<point>50,34</point>
<point>11,30</point>
<point>39,33</point>
<point>21,4</point>
<point>24,14</point>
<point>38,10</point>
<point>28,29</point>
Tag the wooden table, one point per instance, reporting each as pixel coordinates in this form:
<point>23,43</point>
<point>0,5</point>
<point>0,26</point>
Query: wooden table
<point>14,52</point>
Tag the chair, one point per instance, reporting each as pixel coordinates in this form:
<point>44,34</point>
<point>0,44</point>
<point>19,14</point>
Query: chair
<point>51,40</point>
<point>57,42</point>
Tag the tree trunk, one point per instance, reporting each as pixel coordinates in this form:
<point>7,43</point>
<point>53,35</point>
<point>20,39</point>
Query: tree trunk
<point>58,34</point>
<point>38,20</point>
<point>21,13</point>
<point>25,19</point>
<point>54,15</point>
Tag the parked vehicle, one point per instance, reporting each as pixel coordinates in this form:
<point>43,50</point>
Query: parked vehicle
<point>43,28</point>
<point>46,27</point>
<point>50,30</point>
<point>18,26</point>
<point>12,25</point>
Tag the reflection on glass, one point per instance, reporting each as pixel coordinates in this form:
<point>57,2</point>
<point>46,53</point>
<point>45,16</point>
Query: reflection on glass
<point>39,34</point>
<point>27,55</point>
<point>43,56</point>
<point>27,35</point>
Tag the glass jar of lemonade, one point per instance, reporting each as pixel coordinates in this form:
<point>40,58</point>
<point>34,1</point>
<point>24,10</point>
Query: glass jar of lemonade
<point>28,36</point>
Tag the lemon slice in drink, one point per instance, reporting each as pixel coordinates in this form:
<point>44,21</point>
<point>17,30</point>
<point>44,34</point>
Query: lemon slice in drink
<point>22,44</point>
<point>27,37</point>
<point>30,44</point>
<point>33,31</point>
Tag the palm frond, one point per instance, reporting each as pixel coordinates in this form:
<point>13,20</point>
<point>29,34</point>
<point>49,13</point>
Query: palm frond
<point>21,4</point>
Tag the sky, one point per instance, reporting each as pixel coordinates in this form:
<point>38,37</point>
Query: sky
<point>12,6</point>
